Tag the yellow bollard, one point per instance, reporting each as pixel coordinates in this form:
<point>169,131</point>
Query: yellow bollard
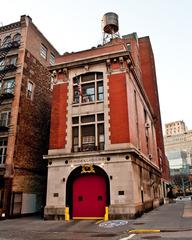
<point>106,216</point>
<point>67,217</point>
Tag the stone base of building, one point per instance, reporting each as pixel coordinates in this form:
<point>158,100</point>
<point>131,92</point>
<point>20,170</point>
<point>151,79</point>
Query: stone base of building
<point>132,211</point>
<point>54,213</point>
<point>116,211</point>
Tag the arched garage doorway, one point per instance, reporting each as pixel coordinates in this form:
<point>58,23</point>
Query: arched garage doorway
<point>87,192</point>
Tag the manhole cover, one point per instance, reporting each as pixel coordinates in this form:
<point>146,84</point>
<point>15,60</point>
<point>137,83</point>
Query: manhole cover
<point>104,235</point>
<point>113,223</point>
<point>151,237</point>
<point>138,223</point>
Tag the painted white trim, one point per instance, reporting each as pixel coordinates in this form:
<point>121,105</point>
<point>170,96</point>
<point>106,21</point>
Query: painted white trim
<point>129,237</point>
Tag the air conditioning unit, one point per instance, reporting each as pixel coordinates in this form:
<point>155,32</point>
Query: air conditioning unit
<point>147,125</point>
<point>150,156</point>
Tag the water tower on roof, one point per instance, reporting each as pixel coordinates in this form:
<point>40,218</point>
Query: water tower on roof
<point>110,27</point>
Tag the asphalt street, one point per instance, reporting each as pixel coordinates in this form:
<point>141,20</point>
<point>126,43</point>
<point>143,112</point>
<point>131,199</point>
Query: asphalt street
<point>170,222</point>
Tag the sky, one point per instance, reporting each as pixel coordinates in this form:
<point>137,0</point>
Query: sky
<point>75,25</point>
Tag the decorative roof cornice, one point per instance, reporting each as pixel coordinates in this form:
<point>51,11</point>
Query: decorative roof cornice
<point>10,26</point>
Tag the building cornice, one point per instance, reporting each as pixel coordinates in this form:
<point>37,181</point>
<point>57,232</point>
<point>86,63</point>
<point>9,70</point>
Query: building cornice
<point>10,27</point>
<point>90,60</point>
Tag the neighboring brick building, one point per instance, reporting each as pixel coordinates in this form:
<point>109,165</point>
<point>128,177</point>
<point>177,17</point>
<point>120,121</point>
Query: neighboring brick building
<point>25,97</point>
<point>106,145</point>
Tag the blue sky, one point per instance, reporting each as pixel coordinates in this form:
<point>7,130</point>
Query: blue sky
<point>76,25</point>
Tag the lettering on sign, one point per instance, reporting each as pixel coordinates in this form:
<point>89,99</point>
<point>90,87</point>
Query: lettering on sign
<point>89,160</point>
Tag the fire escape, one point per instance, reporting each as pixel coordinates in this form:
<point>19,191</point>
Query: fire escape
<point>6,93</point>
<point>6,87</point>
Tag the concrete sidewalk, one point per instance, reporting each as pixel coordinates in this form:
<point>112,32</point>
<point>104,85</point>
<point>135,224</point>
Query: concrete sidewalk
<point>168,217</point>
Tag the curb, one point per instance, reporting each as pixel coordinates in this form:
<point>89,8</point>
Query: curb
<point>157,230</point>
<point>144,231</point>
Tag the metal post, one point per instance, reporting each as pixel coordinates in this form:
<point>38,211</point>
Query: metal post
<point>106,216</point>
<point>67,217</point>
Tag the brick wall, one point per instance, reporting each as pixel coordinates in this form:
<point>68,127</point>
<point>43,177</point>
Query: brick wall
<point>33,126</point>
<point>119,125</point>
<point>33,44</point>
<point>58,117</point>
<point>150,86</point>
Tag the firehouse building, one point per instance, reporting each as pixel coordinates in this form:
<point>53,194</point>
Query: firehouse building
<point>106,150</point>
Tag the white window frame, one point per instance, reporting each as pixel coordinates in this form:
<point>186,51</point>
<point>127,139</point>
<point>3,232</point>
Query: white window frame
<point>95,139</point>
<point>5,121</point>
<point>30,90</point>
<point>52,59</point>
<point>3,148</point>
<point>43,51</point>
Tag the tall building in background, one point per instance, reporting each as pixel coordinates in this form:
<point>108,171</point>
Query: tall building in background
<point>178,147</point>
<point>24,115</point>
<point>106,143</point>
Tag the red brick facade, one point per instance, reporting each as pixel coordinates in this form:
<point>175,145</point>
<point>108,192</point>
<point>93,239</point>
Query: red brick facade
<point>119,125</point>
<point>59,117</point>
<point>150,85</point>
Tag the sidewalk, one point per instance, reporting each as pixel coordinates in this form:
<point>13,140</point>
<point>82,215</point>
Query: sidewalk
<point>169,217</point>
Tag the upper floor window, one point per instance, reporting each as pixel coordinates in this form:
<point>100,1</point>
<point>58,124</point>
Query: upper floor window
<point>7,86</point>
<point>129,46</point>
<point>2,64</point>
<point>17,37</point>
<point>4,119</point>
<point>3,150</point>
<point>43,51</point>
<point>88,132</point>
<point>13,60</point>
<point>88,87</point>
<point>6,41</point>
<point>52,58</point>
<point>30,88</point>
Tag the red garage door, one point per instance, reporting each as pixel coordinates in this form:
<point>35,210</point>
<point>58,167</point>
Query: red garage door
<point>89,197</point>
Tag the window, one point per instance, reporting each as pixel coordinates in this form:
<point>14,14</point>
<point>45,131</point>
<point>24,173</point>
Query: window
<point>17,37</point>
<point>100,117</point>
<point>7,86</point>
<point>4,119</point>
<point>88,92</point>
<point>2,64</point>
<point>43,51</point>
<point>101,136</point>
<point>147,132</point>
<point>3,150</point>
<point>7,41</point>
<point>13,60</point>
<point>88,88</point>
<point>87,119</point>
<point>75,134</point>
<point>30,90</point>
<point>88,132</point>
<point>52,59</point>
<point>100,91</point>
<point>128,46</point>
<point>88,138</point>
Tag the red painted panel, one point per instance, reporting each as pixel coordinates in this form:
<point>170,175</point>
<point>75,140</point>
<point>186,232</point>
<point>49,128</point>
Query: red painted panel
<point>119,125</point>
<point>89,196</point>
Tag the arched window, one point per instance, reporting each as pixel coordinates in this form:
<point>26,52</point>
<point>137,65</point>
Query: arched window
<point>17,37</point>
<point>88,87</point>
<point>6,41</point>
